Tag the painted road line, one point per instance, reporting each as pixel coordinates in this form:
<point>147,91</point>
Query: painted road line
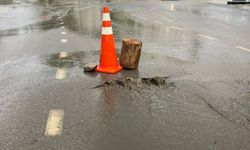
<point>177,28</point>
<point>63,54</point>
<point>206,37</point>
<point>54,123</point>
<point>170,20</point>
<point>60,73</point>
<point>172,8</point>
<point>61,23</point>
<point>157,22</point>
<point>62,27</point>
<point>143,18</point>
<point>63,33</point>
<point>64,40</point>
<point>133,15</point>
<point>242,48</point>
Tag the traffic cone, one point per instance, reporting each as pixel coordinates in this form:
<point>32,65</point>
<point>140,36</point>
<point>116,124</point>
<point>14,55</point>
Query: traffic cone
<point>108,58</point>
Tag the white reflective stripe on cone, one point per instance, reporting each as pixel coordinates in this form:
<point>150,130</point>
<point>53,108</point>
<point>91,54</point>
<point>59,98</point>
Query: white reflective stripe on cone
<point>107,31</point>
<point>106,17</point>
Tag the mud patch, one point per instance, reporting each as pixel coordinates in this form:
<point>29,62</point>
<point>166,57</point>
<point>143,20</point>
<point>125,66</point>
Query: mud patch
<point>138,83</point>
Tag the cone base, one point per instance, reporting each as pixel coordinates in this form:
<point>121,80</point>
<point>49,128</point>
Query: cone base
<point>109,70</point>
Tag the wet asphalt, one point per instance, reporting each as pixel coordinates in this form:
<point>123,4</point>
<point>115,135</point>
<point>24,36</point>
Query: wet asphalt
<point>47,102</point>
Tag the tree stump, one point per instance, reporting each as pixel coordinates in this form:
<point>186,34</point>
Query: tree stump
<point>130,53</point>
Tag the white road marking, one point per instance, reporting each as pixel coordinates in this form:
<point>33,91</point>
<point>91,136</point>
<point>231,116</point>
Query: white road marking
<point>157,22</point>
<point>143,18</point>
<point>169,20</point>
<point>64,40</point>
<point>63,33</point>
<point>63,54</point>
<point>62,27</point>
<point>172,7</point>
<point>132,14</point>
<point>54,123</point>
<point>60,73</point>
<point>206,37</point>
<point>177,28</point>
<point>242,48</point>
<point>62,23</point>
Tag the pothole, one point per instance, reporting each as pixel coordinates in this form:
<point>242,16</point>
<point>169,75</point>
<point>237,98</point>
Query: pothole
<point>67,62</point>
<point>133,83</point>
<point>70,60</point>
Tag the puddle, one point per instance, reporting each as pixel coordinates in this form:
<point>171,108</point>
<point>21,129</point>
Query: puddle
<point>70,60</point>
<point>67,62</point>
<point>35,17</point>
<point>44,25</point>
<point>124,25</point>
<point>87,21</point>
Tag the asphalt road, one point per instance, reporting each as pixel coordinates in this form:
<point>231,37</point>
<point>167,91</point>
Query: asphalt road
<point>47,102</point>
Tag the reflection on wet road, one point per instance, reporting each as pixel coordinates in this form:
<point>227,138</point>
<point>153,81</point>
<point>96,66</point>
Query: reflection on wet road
<point>48,102</point>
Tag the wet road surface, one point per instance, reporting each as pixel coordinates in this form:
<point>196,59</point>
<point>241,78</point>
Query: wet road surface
<point>47,102</point>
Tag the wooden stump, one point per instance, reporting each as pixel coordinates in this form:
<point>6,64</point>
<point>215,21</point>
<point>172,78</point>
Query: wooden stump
<point>130,53</point>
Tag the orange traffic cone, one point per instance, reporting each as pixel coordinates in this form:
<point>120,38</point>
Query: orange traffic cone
<point>108,58</point>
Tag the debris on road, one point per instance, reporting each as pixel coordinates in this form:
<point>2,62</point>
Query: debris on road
<point>90,67</point>
<point>130,53</point>
<point>158,81</point>
<point>130,82</point>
